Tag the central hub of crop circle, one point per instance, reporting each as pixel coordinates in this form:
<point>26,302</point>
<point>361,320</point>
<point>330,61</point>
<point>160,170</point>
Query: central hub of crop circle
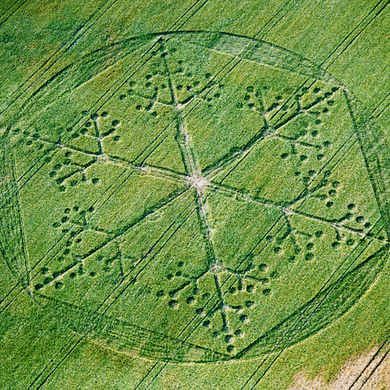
<point>198,182</point>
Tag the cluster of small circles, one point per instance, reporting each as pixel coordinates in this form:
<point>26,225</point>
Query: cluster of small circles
<point>196,298</point>
<point>253,101</point>
<point>107,262</point>
<point>172,294</point>
<point>146,108</point>
<point>359,219</point>
<point>149,85</point>
<point>153,83</point>
<point>77,177</point>
<point>229,337</point>
<point>328,197</point>
<point>192,86</point>
<point>349,241</point>
<point>178,273</point>
<point>309,255</point>
<point>308,248</point>
<point>302,158</point>
<point>314,132</point>
<point>94,119</point>
<point>80,271</point>
<point>252,97</point>
<point>71,215</point>
<point>317,91</point>
<point>250,288</point>
<point>193,299</point>
<point>210,98</point>
<point>152,96</point>
<point>95,116</point>
<point>38,286</point>
<point>73,274</point>
<point>310,174</point>
<point>277,246</point>
<point>76,133</point>
<point>28,138</point>
<point>180,70</point>
<point>48,279</point>
<point>56,275</point>
<point>112,131</point>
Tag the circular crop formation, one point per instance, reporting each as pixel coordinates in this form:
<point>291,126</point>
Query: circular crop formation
<point>200,197</point>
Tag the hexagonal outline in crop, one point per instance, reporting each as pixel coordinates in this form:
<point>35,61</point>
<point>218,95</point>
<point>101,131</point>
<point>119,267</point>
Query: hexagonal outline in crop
<point>242,48</point>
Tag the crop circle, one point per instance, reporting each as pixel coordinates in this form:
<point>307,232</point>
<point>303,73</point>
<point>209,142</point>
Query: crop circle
<point>202,202</point>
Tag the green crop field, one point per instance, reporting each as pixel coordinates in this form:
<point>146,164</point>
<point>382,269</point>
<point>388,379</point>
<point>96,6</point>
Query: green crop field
<point>194,194</point>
